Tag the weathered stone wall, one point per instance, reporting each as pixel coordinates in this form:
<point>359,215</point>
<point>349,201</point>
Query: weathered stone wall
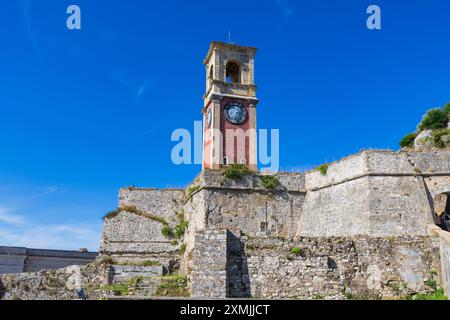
<point>362,227</point>
<point>208,277</point>
<point>335,267</point>
<point>338,210</point>
<point>443,247</point>
<point>18,259</point>
<point>227,264</point>
<point>132,237</point>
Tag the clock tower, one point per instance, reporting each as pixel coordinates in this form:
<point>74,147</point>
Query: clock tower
<point>229,111</point>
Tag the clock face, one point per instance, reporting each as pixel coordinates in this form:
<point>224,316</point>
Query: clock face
<point>235,113</point>
<point>208,118</point>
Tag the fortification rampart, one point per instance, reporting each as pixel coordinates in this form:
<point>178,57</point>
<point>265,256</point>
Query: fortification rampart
<point>19,259</point>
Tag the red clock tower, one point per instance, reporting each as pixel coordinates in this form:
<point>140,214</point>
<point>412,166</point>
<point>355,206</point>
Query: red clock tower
<point>229,112</point>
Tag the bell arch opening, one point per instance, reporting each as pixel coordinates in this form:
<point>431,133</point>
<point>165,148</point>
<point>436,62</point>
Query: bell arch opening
<point>232,74</point>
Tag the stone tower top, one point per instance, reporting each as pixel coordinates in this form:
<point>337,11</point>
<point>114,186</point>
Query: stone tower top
<point>230,71</point>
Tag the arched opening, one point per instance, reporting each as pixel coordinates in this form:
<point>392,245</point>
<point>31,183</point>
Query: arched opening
<point>225,161</point>
<point>232,72</point>
<point>210,76</point>
<point>211,72</point>
<point>441,205</point>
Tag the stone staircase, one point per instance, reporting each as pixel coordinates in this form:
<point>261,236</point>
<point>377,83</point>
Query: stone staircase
<point>145,287</point>
<point>126,273</point>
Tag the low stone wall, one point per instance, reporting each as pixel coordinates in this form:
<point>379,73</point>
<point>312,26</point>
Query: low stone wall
<point>74,282</point>
<point>16,259</point>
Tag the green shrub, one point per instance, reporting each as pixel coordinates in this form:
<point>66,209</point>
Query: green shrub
<point>323,169</point>
<point>173,286</point>
<point>437,135</point>
<point>269,182</point>
<point>182,249</point>
<point>296,250</point>
<point>167,231</point>
<point>236,171</point>
<point>434,119</point>
<point>431,283</point>
<point>436,295</point>
<point>408,140</point>
<point>447,109</point>
<point>182,225</point>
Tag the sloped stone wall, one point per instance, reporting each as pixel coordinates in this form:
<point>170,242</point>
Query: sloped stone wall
<point>375,193</point>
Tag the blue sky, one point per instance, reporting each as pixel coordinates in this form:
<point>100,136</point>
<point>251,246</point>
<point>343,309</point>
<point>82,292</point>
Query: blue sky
<point>85,112</point>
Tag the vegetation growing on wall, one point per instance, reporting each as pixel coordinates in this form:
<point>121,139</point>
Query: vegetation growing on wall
<point>135,210</point>
<point>173,286</point>
<point>323,169</point>
<point>122,289</point>
<point>236,171</point>
<point>441,138</point>
<point>435,295</point>
<point>269,182</point>
<point>182,249</point>
<point>191,190</point>
<point>182,225</point>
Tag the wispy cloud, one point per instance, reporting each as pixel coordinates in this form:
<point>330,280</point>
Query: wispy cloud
<point>26,8</point>
<point>16,230</point>
<point>23,222</point>
<point>137,90</point>
<point>284,8</point>
<point>9,218</point>
<point>141,89</point>
<point>57,236</point>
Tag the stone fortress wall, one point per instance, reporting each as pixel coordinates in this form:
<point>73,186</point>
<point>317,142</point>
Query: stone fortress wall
<point>361,227</point>
<point>19,259</point>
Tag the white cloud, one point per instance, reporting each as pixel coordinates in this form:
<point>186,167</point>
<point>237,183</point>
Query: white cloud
<point>8,218</point>
<point>58,236</point>
<point>17,231</point>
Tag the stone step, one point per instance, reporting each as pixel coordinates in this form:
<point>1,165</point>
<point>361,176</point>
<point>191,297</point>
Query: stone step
<point>125,273</point>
